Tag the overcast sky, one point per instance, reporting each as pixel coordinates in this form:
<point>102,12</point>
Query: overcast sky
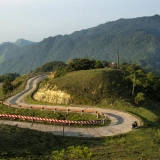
<point>35,20</point>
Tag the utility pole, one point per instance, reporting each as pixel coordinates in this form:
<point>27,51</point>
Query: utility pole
<point>117,60</point>
<point>134,83</point>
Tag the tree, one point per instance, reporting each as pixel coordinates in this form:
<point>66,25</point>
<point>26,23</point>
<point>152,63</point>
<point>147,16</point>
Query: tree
<point>150,76</point>
<point>105,63</point>
<point>50,66</point>
<point>132,72</point>
<point>98,64</point>
<point>7,86</point>
<point>140,97</point>
<point>83,64</point>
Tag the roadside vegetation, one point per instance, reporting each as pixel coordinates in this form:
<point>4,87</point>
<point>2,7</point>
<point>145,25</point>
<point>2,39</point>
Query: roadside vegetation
<point>11,82</point>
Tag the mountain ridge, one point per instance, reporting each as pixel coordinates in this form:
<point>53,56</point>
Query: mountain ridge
<point>137,40</point>
<point>23,42</point>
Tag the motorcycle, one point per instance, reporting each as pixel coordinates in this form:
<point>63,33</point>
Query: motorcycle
<point>134,125</point>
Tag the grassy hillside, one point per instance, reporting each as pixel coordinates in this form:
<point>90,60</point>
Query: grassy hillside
<point>28,144</point>
<point>92,87</point>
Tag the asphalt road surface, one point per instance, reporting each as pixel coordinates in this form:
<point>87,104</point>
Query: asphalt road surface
<point>120,121</point>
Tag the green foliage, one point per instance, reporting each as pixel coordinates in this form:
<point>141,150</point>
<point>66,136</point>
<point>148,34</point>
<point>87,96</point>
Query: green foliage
<point>19,81</point>
<point>7,86</point>
<point>140,81</point>
<point>9,76</point>
<point>83,64</point>
<point>56,155</point>
<point>140,97</point>
<point>150,76</point>
<point>60,72</point>
<point>79,64</point>
<point>50,66</point>
<point>72,153</point>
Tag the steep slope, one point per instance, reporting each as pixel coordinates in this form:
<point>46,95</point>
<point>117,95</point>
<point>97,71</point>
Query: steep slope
<point>137,40</point>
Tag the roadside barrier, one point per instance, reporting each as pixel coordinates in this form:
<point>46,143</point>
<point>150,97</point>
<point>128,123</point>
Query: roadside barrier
<point>31,118</point>
<point>38,119</point>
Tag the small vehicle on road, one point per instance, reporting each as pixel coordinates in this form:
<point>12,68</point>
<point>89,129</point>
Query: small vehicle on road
<point>134,125</point>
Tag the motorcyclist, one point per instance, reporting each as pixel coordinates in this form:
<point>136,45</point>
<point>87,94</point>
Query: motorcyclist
<point>134,124</point>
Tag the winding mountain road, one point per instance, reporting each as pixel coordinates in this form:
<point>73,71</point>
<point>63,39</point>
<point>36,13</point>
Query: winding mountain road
<point>120,121</point>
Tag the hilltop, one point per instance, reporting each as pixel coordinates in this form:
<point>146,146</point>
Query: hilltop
<point>137,40</point>
<point>84,87</point>
<point>22,42</point>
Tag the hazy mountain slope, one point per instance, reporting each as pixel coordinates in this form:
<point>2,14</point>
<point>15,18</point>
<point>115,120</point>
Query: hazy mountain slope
<point>7,51</point>
<point>10,50</point>
<point>23,42</point>
<point>137,40</point>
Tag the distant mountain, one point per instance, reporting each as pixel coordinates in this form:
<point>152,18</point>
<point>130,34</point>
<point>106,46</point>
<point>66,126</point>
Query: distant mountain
<point>137,40</point>
<point>7,51</point>
<point>23,42</point>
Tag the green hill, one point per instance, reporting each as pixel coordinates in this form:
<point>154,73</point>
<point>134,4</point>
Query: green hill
<point>137,40</point>
<point>104,86</point>
<point>92,87</point>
